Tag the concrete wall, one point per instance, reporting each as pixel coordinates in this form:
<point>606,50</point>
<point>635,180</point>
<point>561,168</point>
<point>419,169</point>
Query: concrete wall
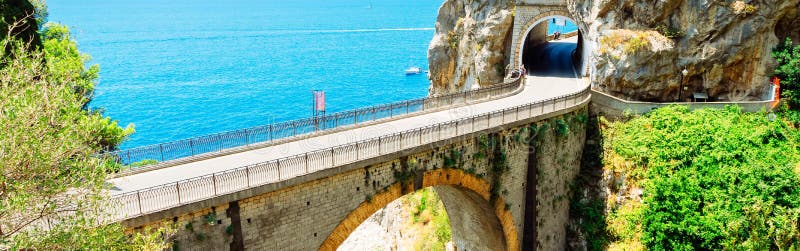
<point>538,35</point>
<point>613,106</point>
<point>321,213</point>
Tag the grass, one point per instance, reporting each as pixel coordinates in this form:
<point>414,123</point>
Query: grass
<point>625,41</point>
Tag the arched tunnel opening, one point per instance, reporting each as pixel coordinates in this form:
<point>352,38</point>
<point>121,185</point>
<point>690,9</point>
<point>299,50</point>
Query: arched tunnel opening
<point>553,46</point>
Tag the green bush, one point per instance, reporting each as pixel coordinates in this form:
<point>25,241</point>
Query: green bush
<point>714,179</point>
<point>788,71</point>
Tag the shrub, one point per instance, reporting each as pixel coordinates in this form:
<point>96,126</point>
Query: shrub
<point>788,70</point>
<point>713,180</point>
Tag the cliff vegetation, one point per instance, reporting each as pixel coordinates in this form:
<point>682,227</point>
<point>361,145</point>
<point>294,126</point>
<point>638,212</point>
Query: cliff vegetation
<point>676,179</point>
<point>788,70</point>
<point>47,141</point>
<point>417,221</point>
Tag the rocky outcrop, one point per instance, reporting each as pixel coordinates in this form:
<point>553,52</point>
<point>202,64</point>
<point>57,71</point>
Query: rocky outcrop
<point>638,48</point>
<point>471,44</point>
<point>725,46</point>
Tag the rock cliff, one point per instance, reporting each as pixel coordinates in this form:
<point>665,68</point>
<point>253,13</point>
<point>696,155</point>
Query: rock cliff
<point>639,48</point>
<point>725,46</point>
<point>471,44</point>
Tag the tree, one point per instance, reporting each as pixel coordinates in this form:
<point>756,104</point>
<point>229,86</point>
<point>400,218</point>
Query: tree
<point>24,15</point>
<point>788,71</point>
<point>52,185</point>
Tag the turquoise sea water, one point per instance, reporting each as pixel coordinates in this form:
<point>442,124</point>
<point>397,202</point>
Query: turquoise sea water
<point>179,69</point>
<point>568,27</point>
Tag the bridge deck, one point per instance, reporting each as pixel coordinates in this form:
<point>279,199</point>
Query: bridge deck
<point>536,88</point>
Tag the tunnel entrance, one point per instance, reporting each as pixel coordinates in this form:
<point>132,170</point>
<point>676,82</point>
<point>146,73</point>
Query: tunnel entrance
<point>553,46</point>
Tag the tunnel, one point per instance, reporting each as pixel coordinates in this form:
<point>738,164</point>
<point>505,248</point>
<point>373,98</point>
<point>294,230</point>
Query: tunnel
<point>545,54</point>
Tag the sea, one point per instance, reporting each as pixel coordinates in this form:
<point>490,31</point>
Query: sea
<point>185,68</point>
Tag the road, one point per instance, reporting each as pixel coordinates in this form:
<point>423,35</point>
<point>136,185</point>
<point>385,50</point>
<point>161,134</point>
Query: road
<point>552,59</point>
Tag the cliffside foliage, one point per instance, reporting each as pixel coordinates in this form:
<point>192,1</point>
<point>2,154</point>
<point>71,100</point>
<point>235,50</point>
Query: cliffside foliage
<point>788,71</point>
<point>712,180</point>
<point>24,16</point>
<point>47,140</point>
<point>429,220</point>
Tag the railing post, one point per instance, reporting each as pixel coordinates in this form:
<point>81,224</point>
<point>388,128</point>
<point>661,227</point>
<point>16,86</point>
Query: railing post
<point>473,124</point>
<point>246,137</point>
<point>294,127</point>
<point>139,198</point>
<point>306,162</point>
<point>278,166</point>
<point>161,149</point>
<point>373,112</point>
<point>530,110</point>
<point>355,118</point>
<point>406,106</point>
<point>333,158</point>
<point>129,157</point>
<point>401,139</point>
<point>219,139</point>
<point>379,145</point>
<point>517,113</point>
<point>247,175</point>
<point>178,189</point>
<point>357,150</point>
<point>270,133</point>
<point>440,131</point>
<point>214,180</point>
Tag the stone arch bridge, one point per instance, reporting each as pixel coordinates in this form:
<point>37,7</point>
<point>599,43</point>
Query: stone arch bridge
<point>501,158</point>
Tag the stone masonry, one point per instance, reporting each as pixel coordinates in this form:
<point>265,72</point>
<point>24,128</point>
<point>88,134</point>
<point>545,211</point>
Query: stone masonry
<point>484,175</point>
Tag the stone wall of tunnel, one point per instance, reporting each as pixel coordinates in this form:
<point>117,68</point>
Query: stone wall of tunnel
<point>491,171</point>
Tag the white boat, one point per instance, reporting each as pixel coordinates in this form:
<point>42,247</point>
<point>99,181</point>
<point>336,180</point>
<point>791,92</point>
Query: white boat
<point>413,70</point>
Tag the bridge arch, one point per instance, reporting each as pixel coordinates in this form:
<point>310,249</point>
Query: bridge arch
<point>526,27</point>
<point>460,192</point>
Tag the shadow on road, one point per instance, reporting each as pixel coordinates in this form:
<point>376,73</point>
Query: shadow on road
<point>553,59</point>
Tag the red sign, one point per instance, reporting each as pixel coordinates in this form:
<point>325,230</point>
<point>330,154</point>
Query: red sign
<point>319,101</point>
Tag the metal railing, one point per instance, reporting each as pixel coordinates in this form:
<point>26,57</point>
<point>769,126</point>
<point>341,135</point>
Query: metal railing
<point>141,202</point>
<point>266,133</point>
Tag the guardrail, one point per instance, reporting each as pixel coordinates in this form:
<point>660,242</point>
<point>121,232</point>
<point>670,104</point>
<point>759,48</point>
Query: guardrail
<point>141,202</point>
<point>266,133</point>
<point>616,106</point>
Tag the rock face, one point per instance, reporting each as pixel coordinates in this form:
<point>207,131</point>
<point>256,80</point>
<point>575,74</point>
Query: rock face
<point>381,231</point>
<point>725,46</point>
<point>639,48</point>
<point>471,46</point>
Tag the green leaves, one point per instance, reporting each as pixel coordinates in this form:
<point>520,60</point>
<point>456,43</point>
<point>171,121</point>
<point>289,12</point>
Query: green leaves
<point>788,71</point>
<point>47,143</point>
<point>714,179</point>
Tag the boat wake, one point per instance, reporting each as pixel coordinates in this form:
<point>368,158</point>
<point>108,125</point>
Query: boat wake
<point>213,35</point>
<point>366,30</point>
